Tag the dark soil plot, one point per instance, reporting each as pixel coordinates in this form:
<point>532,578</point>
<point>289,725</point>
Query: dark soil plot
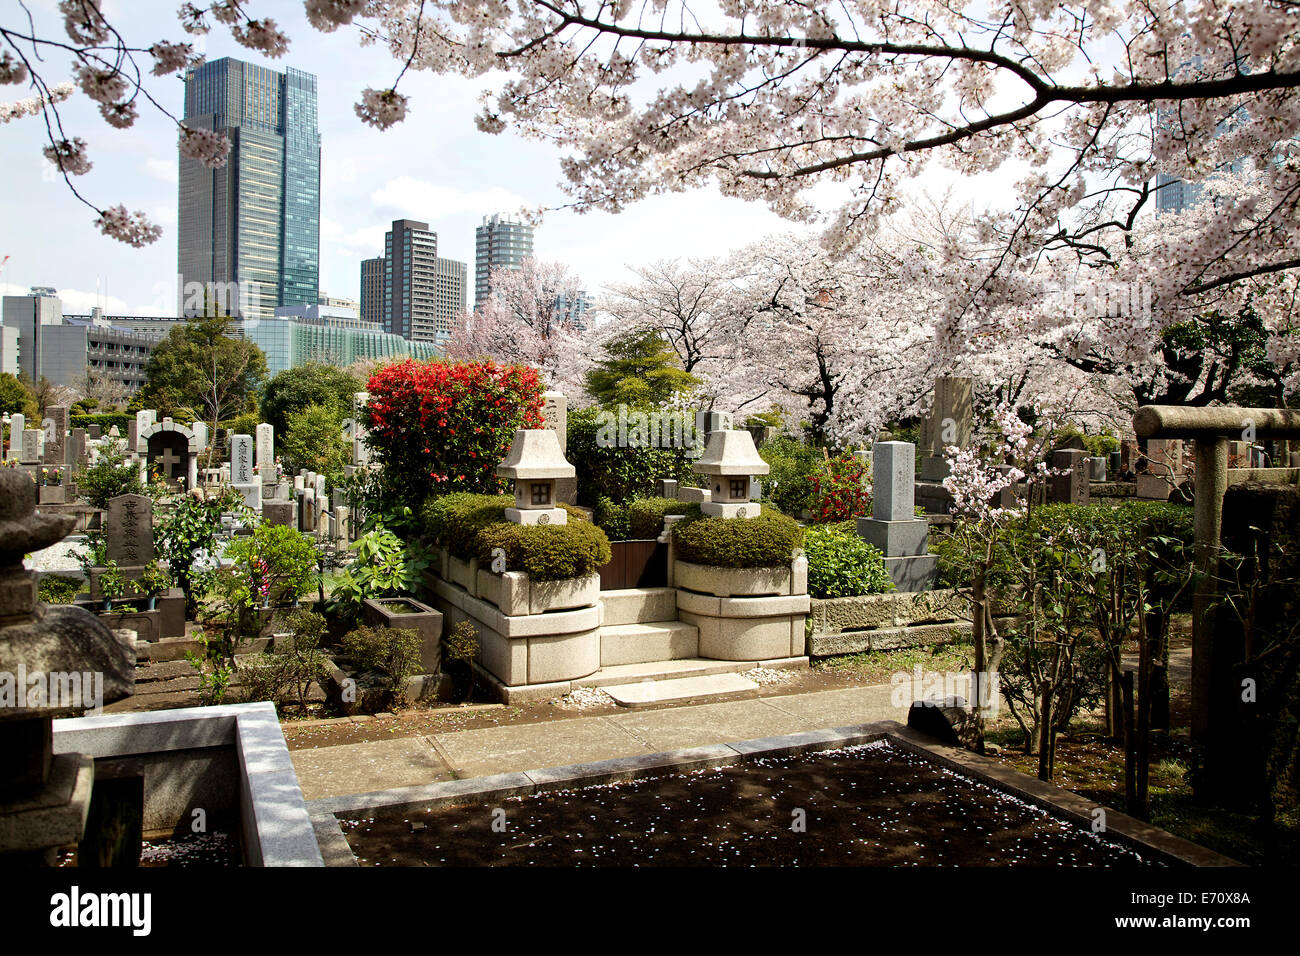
<point>867,805</point>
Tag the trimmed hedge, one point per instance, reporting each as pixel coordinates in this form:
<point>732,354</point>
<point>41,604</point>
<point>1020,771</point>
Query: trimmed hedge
<point>767,540</point>
<point>638,519</point>
<point>471,526</point>
<point>105,421</point>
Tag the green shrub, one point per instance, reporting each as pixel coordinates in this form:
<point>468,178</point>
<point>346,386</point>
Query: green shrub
<point>767,540</point>
<point>105,421</point>
<point>619,473</point>
<point>111,475</point>
<point>613,518</point>
<point>646,515</point>
<point>391,652</point>
<point>788,485</point>
<point>841,564</point>
<point>275,563</point>
<point>59,589</point>
<point>471,526</point>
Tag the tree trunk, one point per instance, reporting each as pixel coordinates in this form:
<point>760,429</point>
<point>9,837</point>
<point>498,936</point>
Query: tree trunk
<point>1130,742</point>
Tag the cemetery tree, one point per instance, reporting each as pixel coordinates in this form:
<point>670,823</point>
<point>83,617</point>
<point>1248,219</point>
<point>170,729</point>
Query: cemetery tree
<point>200,365</point>
<point>769,101</point>
<point>312,439</point>
<point>638,368</point>
<point>303,386</point>
<point>524,320</point>
<point>683,301</point>
<point>16,397</point>
<point>111,474</point>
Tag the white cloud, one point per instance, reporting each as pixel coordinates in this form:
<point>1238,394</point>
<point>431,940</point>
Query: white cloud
<point>162,169</point>
<point>428,201</point>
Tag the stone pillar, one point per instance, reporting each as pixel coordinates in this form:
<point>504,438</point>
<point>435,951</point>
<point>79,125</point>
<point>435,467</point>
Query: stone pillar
<point>893,528</point>
<point>242,478</point>
<point>360,451</point>
<point>55,426</point>
<point>950,423</point>
<point>1211,481</point>
<point>17,425</point>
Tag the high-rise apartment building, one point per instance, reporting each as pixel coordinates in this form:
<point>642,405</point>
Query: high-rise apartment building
<point>418,294</point>
<point>250,230</point>
<point>372,290</point>
<point>501,242</point>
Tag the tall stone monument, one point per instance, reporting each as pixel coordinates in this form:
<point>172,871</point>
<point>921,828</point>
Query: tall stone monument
<point>242,477</point>
<point>950,423</point>
<point>893,528</point>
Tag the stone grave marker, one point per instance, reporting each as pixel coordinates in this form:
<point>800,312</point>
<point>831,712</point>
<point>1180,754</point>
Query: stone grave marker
<point>893,528</point>
<point>31,447</point>
<point>55,426</point>
<point>17,425</point>
<point>950,423</point>
<point>129,530</point>
<point>266,452</point>
<point>1072,487</point>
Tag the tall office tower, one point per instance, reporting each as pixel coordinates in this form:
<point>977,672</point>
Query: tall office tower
<point>499,242</point>
<point>250,230</point>
<point>372,290</point>
<point>410,280</point>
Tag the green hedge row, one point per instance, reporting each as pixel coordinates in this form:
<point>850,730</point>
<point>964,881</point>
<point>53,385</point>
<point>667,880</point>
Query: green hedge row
<point>105,421</point>
<point>638,519</point>
<point>842,564</point>
<point>767,540</point>
<point>472,526</point>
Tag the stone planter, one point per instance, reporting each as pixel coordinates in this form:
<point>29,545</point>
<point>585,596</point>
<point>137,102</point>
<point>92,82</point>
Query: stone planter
<point>760,628</point>
<point>412,615</point>
<point>514,593</point>
<point>738,582</point>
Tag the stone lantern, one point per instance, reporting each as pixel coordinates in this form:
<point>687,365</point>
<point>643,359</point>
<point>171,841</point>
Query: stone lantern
<point>535,463</point>
<point>730,460</point>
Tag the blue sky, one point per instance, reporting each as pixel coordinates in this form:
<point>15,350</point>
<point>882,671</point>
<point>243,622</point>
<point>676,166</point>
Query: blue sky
<point>434,167</point>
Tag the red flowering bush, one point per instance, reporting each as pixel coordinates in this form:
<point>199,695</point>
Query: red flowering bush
<point>444,426</point>
<point>840,490</point>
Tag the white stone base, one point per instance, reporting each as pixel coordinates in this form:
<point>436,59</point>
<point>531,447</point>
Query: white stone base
<point>530,516</point>
<point>730,509</point>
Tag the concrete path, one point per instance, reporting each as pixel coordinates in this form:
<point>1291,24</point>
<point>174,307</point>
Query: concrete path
<point>382,765</point>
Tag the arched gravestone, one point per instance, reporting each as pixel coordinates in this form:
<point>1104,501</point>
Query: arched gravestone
<point>169,451</point>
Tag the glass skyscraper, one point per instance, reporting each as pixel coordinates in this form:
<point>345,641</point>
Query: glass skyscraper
<point>250,230</point>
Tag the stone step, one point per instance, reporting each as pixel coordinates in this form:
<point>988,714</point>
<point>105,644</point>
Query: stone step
<point>650,641</point>
<point>643,693</point>
<point>639,605</point>
<point>667,670</point>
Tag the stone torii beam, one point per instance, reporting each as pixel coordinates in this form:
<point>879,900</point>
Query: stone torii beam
<point>1211,429</point>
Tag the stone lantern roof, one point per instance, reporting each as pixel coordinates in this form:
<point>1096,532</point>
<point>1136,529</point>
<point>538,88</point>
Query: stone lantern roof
<point>731,453</point>
<point>535,453</point>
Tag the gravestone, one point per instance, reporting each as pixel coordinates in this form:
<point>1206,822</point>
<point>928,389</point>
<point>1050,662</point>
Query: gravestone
<point>17,425</point>
<point>96,432</point>
<point>200,431</point>
<point>242,478</point>
<point>143,419</point>
<point>555,416</point>
<point>1097,469</point>
<point>77,455</point>
<point>360,450</point>
<point>55,426</point>
<point>278,512</point>
<point>893,528</point>
<point>31,447</point>
<point>1072,487</point>
<point>950,423</point>
<point>266,453</point>
<point>129,530</point>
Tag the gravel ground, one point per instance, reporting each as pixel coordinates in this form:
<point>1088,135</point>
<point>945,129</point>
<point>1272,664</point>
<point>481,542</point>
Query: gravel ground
<point>768,675</point>
<point>55,557</point>
<point>584,698</point>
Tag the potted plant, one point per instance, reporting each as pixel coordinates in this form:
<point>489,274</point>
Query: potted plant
<point>154,580</point>
<point>111,584</point>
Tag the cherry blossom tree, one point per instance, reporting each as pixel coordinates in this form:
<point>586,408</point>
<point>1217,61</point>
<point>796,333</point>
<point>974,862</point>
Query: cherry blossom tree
<point>525,320</point>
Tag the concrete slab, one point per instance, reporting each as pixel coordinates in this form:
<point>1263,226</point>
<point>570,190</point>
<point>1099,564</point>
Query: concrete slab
<point>834,708</point>
<point>552,743</point>
<point>360,768</point>
<point>682,688</point>
<point>680,727</point>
